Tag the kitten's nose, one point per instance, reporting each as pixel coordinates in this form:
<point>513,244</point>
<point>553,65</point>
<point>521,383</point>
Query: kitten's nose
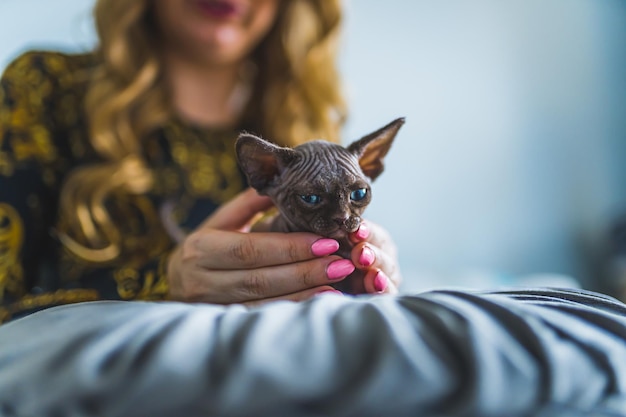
<point>348,223</point>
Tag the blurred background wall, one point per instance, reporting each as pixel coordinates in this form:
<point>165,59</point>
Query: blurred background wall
<point>511,167</point>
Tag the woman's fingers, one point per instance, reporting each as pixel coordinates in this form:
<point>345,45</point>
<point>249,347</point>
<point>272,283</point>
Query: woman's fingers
<point>376,281</point>
<point>238,213</point>
<point>366,256</point>
<point>228,286</point>
<point>221,263</point>
<point>231,267</point>
<point>218,249</point>
<point>375,253</point>
<point>376,235</point>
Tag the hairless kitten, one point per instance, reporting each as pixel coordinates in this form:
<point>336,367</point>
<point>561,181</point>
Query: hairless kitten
<point>319,186</point>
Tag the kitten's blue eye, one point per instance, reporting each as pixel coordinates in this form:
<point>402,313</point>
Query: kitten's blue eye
<point>310,198</point>
<point>358,195</point>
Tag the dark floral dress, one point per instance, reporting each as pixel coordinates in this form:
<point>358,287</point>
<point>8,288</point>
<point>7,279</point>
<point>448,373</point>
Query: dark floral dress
<point>43,137</point>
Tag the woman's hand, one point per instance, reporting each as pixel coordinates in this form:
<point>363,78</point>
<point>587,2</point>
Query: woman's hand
<point>375,254</point>
<point>221,263</point>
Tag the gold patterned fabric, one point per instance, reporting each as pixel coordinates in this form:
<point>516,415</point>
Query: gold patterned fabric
<point>43,137</point>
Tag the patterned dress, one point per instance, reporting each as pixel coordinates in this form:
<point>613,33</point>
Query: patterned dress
<point>43,137</point>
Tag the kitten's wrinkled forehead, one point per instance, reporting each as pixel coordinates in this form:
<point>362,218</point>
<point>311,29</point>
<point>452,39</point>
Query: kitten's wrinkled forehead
<point>325,160</point>
<point>268,165</point>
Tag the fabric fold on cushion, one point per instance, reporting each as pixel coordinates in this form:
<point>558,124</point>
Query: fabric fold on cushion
<point>531,352</point>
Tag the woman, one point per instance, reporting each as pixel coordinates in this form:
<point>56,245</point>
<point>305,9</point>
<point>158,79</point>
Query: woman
<point>110,162</point>
<point>148,159</point>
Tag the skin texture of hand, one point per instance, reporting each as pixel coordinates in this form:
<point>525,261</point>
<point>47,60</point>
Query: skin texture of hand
<point>221,263</point>
<point>375,253</point>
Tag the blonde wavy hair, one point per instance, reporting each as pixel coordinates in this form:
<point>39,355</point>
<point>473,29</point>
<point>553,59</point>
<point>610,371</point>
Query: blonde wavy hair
<point>296,97</point>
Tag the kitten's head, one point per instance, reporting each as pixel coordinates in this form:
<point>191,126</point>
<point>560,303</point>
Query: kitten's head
<point>319,186</point>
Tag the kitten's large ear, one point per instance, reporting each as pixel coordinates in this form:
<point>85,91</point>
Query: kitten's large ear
<point>260,160</point>
<point>371,149</point>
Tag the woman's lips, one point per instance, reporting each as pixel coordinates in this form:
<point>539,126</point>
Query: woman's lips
<point>219,9</point>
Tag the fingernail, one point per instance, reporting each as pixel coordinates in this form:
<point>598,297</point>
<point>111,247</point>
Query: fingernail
<point>339,269</point>
<point>380,281</point>
<point>323,247</point>
<point>363,232</point>
<point>367,256</point>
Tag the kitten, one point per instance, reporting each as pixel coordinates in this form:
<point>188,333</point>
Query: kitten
<point>319,186</point>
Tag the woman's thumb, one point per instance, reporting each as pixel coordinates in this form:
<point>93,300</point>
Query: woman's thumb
<point>239,212</point>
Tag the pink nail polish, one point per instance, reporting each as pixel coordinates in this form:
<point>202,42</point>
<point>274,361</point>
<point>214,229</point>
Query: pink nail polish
<point>339,269</point>
<point>363,232</point>
<point>380,281</point>
<point>323,247</point>
<point>367,257</point>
